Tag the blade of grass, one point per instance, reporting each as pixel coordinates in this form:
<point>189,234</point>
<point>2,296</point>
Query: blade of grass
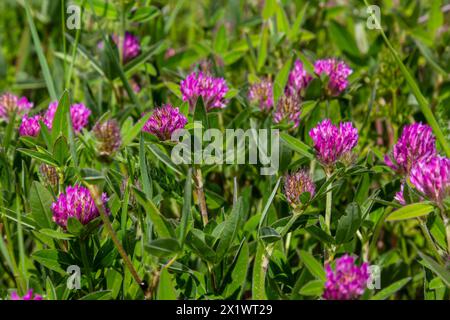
<point>43,62</point>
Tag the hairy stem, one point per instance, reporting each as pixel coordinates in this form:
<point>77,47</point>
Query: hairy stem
<point>198,179</point>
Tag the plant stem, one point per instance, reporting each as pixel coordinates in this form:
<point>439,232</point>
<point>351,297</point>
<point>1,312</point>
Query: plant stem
<point>99,204</point>
<point>198,179</point>
<point>329,199</point>
<point>85,260</point>
<point>429,240</point>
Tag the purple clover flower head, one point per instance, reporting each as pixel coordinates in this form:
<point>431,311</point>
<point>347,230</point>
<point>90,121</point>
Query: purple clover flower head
<point>107,134</point>
<point>30,126</point>
<point>416,142</point>
<point>131,46</point>
<point>164,121</point>
<point>79,115</point>
<point>77,203</point>
<point>289,109</point>
<point>298,79</point>
<point>28,296</point>
<point>261,93</point>
<point>10,103</point>
<point>337,72</point>
<point>296,184</point>
<point>431,177</point>
<point>212,90</point>
<point>347,281</point>
<point>50,114</point>
<point>333,143</point>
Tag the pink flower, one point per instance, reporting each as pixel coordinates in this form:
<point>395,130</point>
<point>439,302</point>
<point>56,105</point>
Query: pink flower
<point>30,126</point>
<point>77,203</point>
<point>28,296</point>
<point>164,121</point>
<point>212,90</point>
<point>333,143</point>
<point>296,184</point>
<point>79,115</point>
<point>10,104</point>
<point>261,93</point>
<point>417,142</point>
<point>431,176</point>
<point>337,72</point>
<point>298,79</point>
<point>347,281</point>
<point>288,108</point>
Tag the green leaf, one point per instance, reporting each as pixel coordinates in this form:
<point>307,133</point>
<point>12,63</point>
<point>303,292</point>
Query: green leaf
<point>196,241</point>
<point>390,290</point>
<point>40,203</point>
<point>269,235</point>
<point>313,288</point>
<point>238,273</point>
<point>439,270</point>
<point>166,286</point>
<point>229,230</point>
<point>163,247</point>
<point>280,81</point>
<point>53,259</point>
<point>343,39</point>
<point>61,150</point>
<point>410,211</point>
<point>221,40</point>
<point>296,145</point>
<point>313,265</point>
<point>74,226</point>
<point>60,124</point>
<point>282,20</point>
<point>155,150</point>
<point>42,157</point>
<point>263,47</point>
<point>56,234</point>
<point>135,130</point>
<point>50,289</point>
<point>349,223</point>
<point>436,17</point>
<point>160,225</point>
<point>269,9</point>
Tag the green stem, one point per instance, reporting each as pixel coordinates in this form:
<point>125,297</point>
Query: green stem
<point>429,240</point>
<point>198,179</point>
<point>85,260</point>
<point>329,199</point>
